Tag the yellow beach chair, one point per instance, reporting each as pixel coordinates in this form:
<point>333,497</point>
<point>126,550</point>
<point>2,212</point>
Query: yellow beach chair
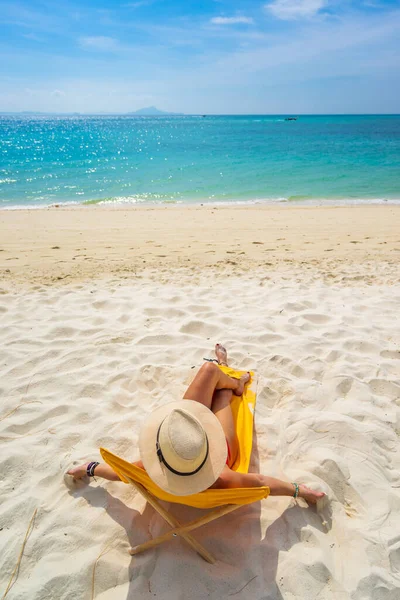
<point>226,500</point>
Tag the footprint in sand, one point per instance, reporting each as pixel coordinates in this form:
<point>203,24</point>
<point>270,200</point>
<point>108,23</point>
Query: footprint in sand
<point>344,387</point>
<point>394,553</point>
<point>199,328</point>
<point>383,387</point>
<point>390,354</point>
<point>316,318</point>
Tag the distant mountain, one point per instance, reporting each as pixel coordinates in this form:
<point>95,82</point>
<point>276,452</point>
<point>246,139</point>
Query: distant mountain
<point>152,111</point>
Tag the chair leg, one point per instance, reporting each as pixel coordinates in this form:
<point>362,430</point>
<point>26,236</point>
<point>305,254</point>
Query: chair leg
<point>184,528</point>
<point>173,522</point>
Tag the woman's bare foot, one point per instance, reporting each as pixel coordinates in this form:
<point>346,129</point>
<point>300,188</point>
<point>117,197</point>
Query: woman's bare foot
<point>78,472</point>
<point>241,383</point>
<point>310,495</point>
<point>221,354</point>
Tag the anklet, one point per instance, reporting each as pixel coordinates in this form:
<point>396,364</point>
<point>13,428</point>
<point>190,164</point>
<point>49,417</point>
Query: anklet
<point>296,490</point>
<point>90,468</point>
<point>223,364</point>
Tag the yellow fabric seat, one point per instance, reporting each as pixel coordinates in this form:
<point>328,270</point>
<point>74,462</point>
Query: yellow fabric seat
<point>207,499</point>
<point>243,413</point>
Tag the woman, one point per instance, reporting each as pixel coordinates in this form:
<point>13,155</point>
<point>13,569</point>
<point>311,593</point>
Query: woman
<point>191,445</point>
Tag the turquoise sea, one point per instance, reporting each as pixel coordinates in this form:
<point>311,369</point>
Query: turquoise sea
<point>47,160</point>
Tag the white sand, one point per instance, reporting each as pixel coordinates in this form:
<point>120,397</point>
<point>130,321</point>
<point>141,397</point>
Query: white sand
<point>91,359</point>
<point>64,244</point>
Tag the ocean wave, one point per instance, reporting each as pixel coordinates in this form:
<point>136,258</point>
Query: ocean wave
<point>41,206</point>
<point>309,200</point>
<point>133,199</point>
<point>145,200</point>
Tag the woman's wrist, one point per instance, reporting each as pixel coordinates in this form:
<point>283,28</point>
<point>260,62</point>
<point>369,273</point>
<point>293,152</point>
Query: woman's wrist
<point>278,487</point>
<point>91,467</point>
<point>296,491</point>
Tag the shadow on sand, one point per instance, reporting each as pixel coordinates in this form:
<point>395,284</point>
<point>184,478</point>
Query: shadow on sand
<point>247,563</point>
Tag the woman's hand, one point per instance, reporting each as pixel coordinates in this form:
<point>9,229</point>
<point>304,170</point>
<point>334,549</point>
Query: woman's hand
<point>78,472</point>
<point>311,496</point>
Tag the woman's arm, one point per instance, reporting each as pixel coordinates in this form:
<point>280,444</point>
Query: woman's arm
<point>278,487</point>
<point>101,470</point>
<point>106,472</point>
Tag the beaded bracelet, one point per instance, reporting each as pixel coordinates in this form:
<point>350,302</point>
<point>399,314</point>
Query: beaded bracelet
<point>90,468</point>
<point>296,490</point>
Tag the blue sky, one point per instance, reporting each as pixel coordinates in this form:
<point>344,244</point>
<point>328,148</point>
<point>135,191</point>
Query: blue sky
<point>208,56</point>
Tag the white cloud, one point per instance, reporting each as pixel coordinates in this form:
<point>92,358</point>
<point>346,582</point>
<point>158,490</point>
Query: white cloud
<point>138,4</point>
<point>57,94</point>
<point>231,20</point>
<point>99,42</point>
<point>295,9</point>
<point>32,36</point>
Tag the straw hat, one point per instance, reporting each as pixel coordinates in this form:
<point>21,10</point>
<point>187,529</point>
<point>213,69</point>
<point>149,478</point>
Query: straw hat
<point>183,447</point>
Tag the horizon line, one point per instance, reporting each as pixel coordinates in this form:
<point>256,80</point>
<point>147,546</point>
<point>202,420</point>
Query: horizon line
<point>173,114</point>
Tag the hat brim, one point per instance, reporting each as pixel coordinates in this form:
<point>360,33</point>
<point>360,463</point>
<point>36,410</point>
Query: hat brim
<point>217,452</point>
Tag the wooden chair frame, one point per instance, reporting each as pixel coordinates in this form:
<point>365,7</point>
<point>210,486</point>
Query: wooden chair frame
<point>178,528</point>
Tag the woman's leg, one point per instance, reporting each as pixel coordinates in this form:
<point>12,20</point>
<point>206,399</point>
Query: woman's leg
<point>221,407</point>
<point>214,389</point>
<point>209,379</point>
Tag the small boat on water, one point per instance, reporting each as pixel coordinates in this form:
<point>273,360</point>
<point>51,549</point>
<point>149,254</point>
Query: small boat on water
<point>291,118</point>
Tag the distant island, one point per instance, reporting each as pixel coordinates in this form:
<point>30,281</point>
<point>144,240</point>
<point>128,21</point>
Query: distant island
<point>152,111</point>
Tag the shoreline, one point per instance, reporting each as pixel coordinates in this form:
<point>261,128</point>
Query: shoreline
<point>69,244</point>
<point>134,204</point>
